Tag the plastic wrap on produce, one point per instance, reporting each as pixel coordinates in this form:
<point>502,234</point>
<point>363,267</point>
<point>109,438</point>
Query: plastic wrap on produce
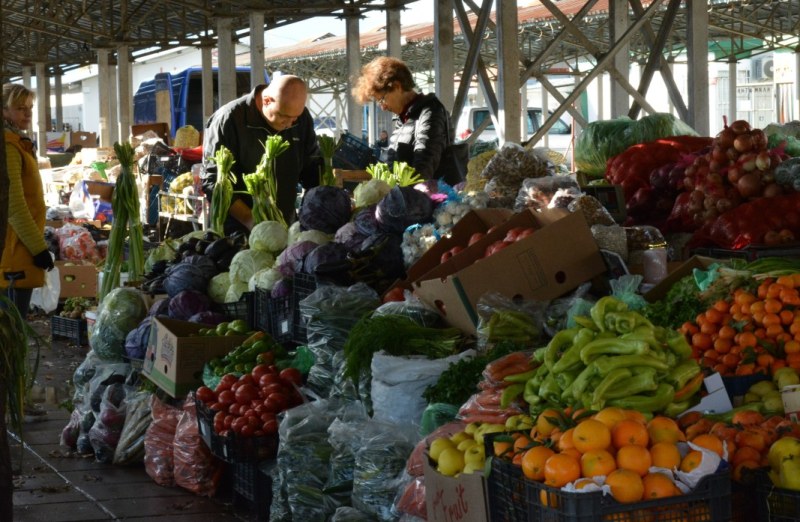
<point>612,238</point>
<point>508,169</point>
<point>591,208</point>
<point>503,319</point>
<point>538,193</point>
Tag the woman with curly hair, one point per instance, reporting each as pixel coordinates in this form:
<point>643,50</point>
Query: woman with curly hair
<point>422,132</point>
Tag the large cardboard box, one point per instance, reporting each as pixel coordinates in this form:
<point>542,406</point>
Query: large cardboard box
<point>558,257</point>
<point>176,354</point>
<point>77,280</point>
<point>84,139</point>
<point>455,499</point>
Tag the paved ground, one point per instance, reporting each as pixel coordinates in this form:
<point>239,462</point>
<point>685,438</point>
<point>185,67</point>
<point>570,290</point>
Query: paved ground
<point>55,485</point>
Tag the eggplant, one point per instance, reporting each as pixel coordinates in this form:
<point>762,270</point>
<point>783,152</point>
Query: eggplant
<point>201,246</point>
<point>219,248</point>
<point>224,263</point>
<point>210,236</point>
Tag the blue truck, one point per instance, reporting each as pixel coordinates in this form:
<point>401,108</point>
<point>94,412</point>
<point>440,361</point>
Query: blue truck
<point>177,98</point>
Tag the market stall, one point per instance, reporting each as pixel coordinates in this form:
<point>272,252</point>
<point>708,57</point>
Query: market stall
<point>512,349</point>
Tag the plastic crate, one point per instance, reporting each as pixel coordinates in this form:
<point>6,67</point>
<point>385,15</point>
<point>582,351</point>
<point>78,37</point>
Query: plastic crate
<point>252,488</point>
<point>750,252</point>
<point>710,501</point>
<point>303,285</point>
<point>273,315</point>
<point>242,309</point>
<point>73,329</point>
<point>232,448</point>
<point>776,504</point>
<point>743,507</point>
<point>505,487</point>
<point>352,153</point>
<point>737,385</point>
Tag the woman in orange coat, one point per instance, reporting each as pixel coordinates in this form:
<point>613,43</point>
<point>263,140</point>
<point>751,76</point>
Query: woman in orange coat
<point>25,255</point>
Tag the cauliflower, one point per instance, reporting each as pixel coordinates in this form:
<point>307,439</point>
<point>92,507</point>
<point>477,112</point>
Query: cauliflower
<point>269,236</point>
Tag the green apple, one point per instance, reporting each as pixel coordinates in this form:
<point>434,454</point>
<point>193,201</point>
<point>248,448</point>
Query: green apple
<point>789,473</point>
<point>486,429</point>
<point>475,454</point>
<point>466,444</point>
<point>762,388</point>
<point>471,427</point>
<point>773,403</point>
<point>459,437</point>
<point>786,376</point>
<point>439,445</point>
<point>472,467</point>
<point>750,398</point>
<point>451,462</point>
<point>785,447</point>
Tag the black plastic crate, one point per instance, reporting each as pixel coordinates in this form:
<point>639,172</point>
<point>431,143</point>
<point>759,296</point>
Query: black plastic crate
<point>73,329</point>
<point>303,285</point>
<point>352,153</point>
<point>233,448</point>
<point>750,252</point>
<point>244,309</point>
<point>273,315</point>
<point>505,486</point>
<point>252,488</point>
<point>710,501</point>
<point>776,504</point>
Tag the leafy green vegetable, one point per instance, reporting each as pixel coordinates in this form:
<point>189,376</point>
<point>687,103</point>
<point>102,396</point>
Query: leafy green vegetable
<point>263,183</point>
<point>223,189</point>
<point>396,335</point>
<point>460,380</point>
<point>327,147</point>
<point>402,174</point>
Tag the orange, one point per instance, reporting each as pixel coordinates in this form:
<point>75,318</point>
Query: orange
<point>597,463</point>
<point>503,448</point>
<point>636,415</point>
<point>561,469</point>
<point>629,432</point>
<point>565,442</point>
<point>548,498</point>
<point>664,429</point>
<point>658,485</point>
<point>626,485</point>
<point>522,443</point>
<point>546,422</point>
<point>691,460</point>
<point>610,415</point>
<point>665,455</point>
<point>591,434</point>
<point>698,428</point>
<point>634,458</point>
<point>709,442</point>
<point>583,482</point>
<point>533,462</point>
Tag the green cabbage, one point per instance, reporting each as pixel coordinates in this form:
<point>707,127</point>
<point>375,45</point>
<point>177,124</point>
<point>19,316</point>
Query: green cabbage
<point>264,279</point>
<point>246,263</point>
<point>120,311</point>
<point>315,236</point>
<point>269,236</point>
<point>370,192</point>
<point>218,287</point>
<point>235,292</point>
<point>294,231</point>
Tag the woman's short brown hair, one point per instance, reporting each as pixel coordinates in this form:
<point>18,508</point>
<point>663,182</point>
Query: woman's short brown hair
<point>14,93</point>
<point>378,76</point>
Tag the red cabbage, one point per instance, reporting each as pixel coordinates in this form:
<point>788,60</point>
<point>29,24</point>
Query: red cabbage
<point>136,340</point>
<point>205,263</point>
<point>365,221</point>
<point>331,256</point>
<point>324,208</point>
<point>160,307</point>
<point>208,317</point>
<point>403,207</point>
<point>184,276</point>
<point>187,303</point>
<point>291,259</point>
<point>282,288</point>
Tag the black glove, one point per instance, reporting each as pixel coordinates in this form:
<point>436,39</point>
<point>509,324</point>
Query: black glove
<point>44,260</point>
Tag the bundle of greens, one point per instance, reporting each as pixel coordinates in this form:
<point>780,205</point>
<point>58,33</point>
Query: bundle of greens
<point>396,335</point>
<point>263,183</point>
<point>327,146</point>
<point>127,225</point>
<point>402,174</point>
<point>223,189</point>
<point>16,373</point>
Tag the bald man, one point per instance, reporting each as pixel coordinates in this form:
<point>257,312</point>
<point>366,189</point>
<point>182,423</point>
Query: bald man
<point>243,126</point>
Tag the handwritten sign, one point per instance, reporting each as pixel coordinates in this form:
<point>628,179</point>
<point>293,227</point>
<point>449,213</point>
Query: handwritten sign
<point>455,499</point>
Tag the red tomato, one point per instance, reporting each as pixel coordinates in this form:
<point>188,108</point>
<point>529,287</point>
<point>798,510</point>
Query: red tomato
<point>216,406</point>
<point>258,371</point>
<point>234,408</point>
<point>265,358</point>
<point>474,238</point>
<point>456,249</point>
<point>246,393</point>
<point>275,387</point>
<point>267,416</point>
<point>512,234</point>
<point>226,397</point>
<point>270,427</point>
<point>395,294</point>
<point>247,431</point>
<point>292,375</point>
<point>280,399</point>
<point>238,423</point>
<point>219,417</point>
<point>225,382</point>
<point>228,420</point>
<point>445,257</point>
<point>270,406</point>
<point>267,379</point>
<point>205,394</point>
<point>247,378</point>
<point>258,433</point>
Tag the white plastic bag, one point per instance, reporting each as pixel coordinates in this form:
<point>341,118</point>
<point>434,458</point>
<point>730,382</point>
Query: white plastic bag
<point>46,297</point>
<point>80,202</point>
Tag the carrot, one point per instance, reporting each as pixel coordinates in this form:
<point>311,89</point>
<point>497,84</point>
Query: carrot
<point>513,363</point>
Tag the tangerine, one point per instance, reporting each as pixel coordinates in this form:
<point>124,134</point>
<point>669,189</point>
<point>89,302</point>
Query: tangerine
<point>665,455</point>
<point>533,462</point>
<point>710,442</point>
<point>591,434</point>
<point>629,432</point>
<point>658,485</point>
<point>565,441</point>
<point>634,458</point>
<point>626,485</point>
<point>610,415</point>
<point>664,429</point>
<point>597,463</point>
<point>691,460</point>
<point>547,421</point>
<point>561,469</point>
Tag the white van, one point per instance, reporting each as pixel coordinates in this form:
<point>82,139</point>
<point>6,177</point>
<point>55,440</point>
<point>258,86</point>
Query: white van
<point>559,137</point>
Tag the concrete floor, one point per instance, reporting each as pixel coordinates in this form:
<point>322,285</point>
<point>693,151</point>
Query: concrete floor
<point>52,484</point>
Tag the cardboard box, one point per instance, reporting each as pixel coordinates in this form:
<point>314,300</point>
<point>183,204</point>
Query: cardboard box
<point>660,290</point>
<point>558,257</point>
<point>84,139</point>
<point>77,280</point>
<point>455,499</point>
<point>57,141</point>
<point>175,355</point>
<point>716,400</point>
<point>102,189</point>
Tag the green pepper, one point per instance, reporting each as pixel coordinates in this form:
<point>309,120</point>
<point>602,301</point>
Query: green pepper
<point>604,364</point>
<point>565,380</point>
<point>674,408</point>
<point>643,379</point>
<point>683,372</point>
<point>538,355</point>
<point>603,306</point>
<point>559,343</point>
<point>647,403</point>
<point>571,358</point>
<point>614,346</point>
<point>531,393</point>
<point>613,377</point>
<point>582,381</point>
<point>511,325</point>
<point>510,393</point>
<point>727,417</point>
<point>538,377</point>
<point>678,344</point>
<point>585,322</point>
<point>549,389</point>
<point>521,377</point>
<point>647,334</point>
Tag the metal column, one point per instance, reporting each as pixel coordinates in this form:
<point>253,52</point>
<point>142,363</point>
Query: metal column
<point>443,61</point>
<point>124,92</point>
<point>355,118</point>
<point>697,46</point>
<point>41,108</point>
<point>618,18</point>
<point>207,81</point>
<point>394,36</point>
<point>59,92</point>
<point>103,91</point>
<point>226,61</point>
<point>732,81</point>
<point>256,48</point>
